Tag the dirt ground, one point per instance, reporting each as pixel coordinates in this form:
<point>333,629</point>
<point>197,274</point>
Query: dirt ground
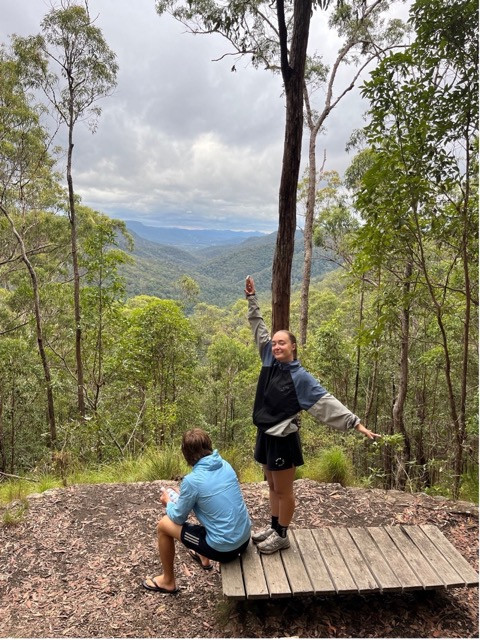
<point>74,566</point>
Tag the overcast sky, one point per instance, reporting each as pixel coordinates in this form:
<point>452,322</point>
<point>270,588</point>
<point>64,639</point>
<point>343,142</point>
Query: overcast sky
<point>184,141</point>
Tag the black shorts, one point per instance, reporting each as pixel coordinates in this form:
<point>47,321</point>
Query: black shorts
<point>193,536</point>
<point>278,453</point>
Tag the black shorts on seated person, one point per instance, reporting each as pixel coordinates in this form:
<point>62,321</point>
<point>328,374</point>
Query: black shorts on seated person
<point>193,536</point>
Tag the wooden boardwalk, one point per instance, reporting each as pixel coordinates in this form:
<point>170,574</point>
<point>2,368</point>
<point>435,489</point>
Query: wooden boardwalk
<point>350,560</point>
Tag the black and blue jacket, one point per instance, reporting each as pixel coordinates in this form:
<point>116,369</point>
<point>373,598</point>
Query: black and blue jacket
<point>284,389</point>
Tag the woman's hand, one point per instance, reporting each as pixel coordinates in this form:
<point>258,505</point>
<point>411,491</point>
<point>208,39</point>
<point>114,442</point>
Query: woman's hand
<point>249,286</point>
<point>366,432</point>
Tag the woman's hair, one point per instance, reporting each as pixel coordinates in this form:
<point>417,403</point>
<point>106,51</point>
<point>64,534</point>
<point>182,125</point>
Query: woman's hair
<point>293,340</point>
<point>196,444</point>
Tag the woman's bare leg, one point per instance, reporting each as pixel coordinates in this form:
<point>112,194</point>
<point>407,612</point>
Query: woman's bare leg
<point>282,498</point>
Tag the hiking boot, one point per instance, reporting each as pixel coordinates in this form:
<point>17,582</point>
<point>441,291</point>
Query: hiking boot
<point>273,543</point>
<point>260,536</point>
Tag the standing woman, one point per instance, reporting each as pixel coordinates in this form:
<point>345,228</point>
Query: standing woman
<point>285,388</point>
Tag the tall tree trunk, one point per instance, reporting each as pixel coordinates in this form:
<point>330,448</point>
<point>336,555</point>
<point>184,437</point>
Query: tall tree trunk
<point>309,219</point>
<point>359,349</point>
<point>462,427</point>
<point>39,332</point>
<point>315,123</point>
<point>457,417</point>
<point>12,429</point>
<point>76,275</point>
<point>293,70</point>
<point>97,374</point>
<point>3,454</point>
<point>401,396</point>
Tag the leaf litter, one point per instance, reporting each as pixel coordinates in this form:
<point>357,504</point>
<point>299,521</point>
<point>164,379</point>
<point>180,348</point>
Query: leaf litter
<point>74,566</point>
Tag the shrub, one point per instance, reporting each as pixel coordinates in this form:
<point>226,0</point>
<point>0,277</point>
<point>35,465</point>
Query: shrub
<point>167,464</point>
<point>331,466</point>
<point>14,514</point>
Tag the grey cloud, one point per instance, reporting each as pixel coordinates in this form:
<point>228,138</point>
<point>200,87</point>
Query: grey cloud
<point>183,140</point>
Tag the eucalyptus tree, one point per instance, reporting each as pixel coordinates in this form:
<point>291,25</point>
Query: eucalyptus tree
<point>228,361</point>
<point>366,36</point>
<point>419,196</point>
<point>274,35</point>
<point>26,183</point>
<point>150,368</point>
<point>73,65</point>
<point>100,259</point>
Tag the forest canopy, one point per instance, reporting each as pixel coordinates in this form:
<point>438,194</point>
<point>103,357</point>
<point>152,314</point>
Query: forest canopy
<point>91,377</point>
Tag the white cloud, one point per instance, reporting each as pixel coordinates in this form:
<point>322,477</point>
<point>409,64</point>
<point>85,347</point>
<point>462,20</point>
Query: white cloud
<point>183,140</point>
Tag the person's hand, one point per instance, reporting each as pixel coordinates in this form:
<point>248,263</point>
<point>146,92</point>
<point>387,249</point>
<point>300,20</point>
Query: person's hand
<point>366,432</point>
<point>249,286</point>
<point>164,497</point>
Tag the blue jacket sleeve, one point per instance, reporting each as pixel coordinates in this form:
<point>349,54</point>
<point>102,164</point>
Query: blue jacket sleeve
<point>178,511</point>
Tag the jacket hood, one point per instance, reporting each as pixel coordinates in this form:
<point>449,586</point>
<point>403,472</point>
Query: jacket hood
<point>211,462</point>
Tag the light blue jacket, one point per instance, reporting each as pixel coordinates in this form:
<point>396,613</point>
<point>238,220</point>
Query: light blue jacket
<point>212,492</point>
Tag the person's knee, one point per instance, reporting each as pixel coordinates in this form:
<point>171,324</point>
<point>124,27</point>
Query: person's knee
<point>166,527</point>
<point>163,525</point>
<point>284,493</point>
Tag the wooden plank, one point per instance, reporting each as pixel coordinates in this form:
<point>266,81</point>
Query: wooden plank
<point>353,558</point>
<point>451,554</point>
<point>384,576</point>
<point>424,572</point>
<point>338,570</point>
<point>253,576</point>
<point>277,582</point>
<point>442,567</point>
<point>397,562</point>
<point>316,569</point>
<point>295,569</point>
<point>338,560</point>
<point>232,580</point>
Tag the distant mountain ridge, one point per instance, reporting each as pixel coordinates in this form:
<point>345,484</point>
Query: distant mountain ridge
<point>219,270</point>
<point>191,238</point>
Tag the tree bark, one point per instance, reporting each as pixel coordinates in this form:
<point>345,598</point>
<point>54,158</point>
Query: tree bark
<point>3,455</point>
<point>293,70</point>
<point>39,331</point>
<point>401,396</point>
<point>359,349</point>
<point>76,272</point>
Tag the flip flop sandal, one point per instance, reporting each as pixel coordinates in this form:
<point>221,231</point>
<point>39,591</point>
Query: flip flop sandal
<point>194,555</point>
<point>157,587</point>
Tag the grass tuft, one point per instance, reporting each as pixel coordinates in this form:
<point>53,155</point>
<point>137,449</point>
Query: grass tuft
<point>15,514</point>
<point>331,466</point>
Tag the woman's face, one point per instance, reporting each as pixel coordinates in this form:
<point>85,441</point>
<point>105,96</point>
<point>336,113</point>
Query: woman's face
<point>283,347</point>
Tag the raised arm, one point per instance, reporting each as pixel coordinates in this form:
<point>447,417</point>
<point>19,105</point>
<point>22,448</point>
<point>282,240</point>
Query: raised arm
<point>259,329</point>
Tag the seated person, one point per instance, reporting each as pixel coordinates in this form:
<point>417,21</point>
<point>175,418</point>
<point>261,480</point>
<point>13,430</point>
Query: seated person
<point>212,491</point>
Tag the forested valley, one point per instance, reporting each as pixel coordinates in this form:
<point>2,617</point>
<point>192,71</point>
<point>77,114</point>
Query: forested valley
<point>99,377</point>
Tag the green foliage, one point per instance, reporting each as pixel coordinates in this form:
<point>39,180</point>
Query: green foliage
<point>167,464</point>
<point>155,366</point>
<point>332,465</point>
<point>71,40</point>
<point>15,514</point>
<point>469,490</point>
<point>156,269</point>
<point>15,490</point>
<point>240,457</point>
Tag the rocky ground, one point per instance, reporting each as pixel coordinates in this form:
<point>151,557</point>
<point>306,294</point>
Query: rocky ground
<point>73,568</point>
